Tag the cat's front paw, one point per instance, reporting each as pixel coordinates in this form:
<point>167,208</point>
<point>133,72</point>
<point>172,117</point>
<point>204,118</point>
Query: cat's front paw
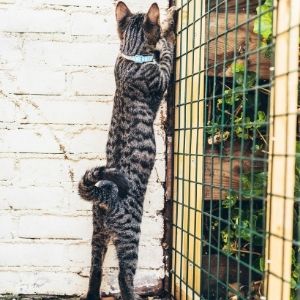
<point>168,26</point>
<point>171,14</point>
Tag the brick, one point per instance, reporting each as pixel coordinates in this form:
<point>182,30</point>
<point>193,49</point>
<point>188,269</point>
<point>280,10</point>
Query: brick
<point>7,1</point>
<point>48,226</point>
<point>50,172</point>
<point>150,257</point>
<point>33,254</point>
<point>61,74</point>
<point>152,228</point>
<point>76,53</point>
<point>88,140</point>
<point>89,23</point>
<point>154,199</point>
<point>49,140</point>
<point>8,226</point>
<point>7,111</point>
<point>92,81</point>
<point>42,282</point>
<point>29,20</point>
<point>26,140</point>
<point>76,203</point>
<point>90,3</point>
<point>81,256</point>
<point>160,140</point>
<point>32,79</point>
<point>143,6</point>
<point>53,172</point>
<point>50,281</point>
<point>133,5</point>
<point>79,167</point>
<point>158,172</point>
<point>144,278</point>
<point>10,51</point>
<point>7,166</point>
<point>79,227</point>
<point>34,198</point>
<point>69,112</point>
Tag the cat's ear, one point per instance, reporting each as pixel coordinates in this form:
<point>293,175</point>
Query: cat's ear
<point>122,12</point>
<point>122,15</point>
<point>152,17</point>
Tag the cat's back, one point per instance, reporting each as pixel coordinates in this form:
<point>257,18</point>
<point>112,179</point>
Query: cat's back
<point>131,76</point>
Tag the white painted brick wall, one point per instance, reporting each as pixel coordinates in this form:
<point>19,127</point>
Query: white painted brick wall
<point>56,90</point>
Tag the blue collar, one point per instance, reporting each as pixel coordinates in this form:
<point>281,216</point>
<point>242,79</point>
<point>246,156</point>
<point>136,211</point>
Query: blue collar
<point>140,59</point>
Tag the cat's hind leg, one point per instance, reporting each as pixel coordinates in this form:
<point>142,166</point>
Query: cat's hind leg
<point>99,248</point>
<point>127,251</point>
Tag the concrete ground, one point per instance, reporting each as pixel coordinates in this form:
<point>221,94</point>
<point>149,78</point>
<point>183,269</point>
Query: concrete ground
<point>47,297</point>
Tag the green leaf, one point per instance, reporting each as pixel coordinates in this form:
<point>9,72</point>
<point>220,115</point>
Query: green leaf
<point>248,123</point>
<point>254,186</point>
<point>262,264</point>
<point>212,128</point>
<point>230,96</point>
<point>263,25</point>
<point>238,66</point>
<point>293,283</point>
<point>251,79</point>
<point>269,3</point>
<point>230,200</point>
<point>261,116</point>
<point>239,78</point>
<point>293,256</point>
<point>238,69</point>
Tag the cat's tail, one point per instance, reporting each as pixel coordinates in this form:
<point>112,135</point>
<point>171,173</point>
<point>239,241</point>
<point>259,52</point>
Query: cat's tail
<point>103,184</point>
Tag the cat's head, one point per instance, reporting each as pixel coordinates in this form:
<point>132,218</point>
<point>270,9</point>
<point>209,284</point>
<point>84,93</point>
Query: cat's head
<point>139,33</point>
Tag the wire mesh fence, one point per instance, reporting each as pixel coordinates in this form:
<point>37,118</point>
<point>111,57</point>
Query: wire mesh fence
<point>236,175</point>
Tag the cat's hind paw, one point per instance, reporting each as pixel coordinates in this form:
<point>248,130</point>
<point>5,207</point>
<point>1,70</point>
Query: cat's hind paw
<point>89,297</point>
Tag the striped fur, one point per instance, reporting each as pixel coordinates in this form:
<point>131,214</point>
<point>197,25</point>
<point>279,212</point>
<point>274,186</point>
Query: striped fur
<point>117,190</point>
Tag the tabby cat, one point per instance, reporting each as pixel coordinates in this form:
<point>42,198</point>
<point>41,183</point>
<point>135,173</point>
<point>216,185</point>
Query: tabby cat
<point>117,190</point>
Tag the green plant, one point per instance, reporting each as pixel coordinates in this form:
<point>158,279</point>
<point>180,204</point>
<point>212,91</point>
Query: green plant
<point>244,225</point>
<point>235,111</point>
<point>241,114</point>
<point>263,25</point>
<point>295,281</point>
<point>297,168</point>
